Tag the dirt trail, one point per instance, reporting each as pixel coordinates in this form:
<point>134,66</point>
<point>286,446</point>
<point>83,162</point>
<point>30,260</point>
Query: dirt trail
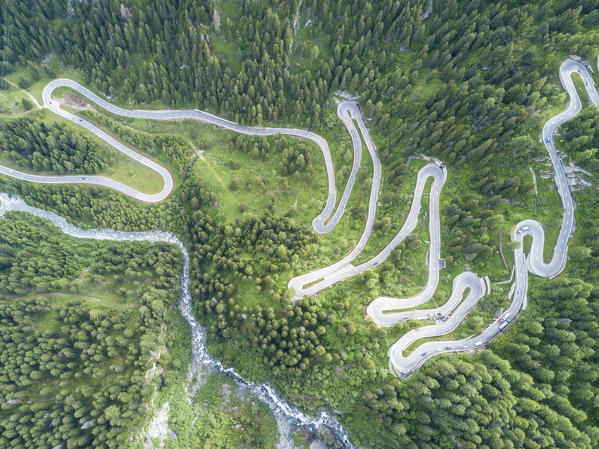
<point>31,97</point>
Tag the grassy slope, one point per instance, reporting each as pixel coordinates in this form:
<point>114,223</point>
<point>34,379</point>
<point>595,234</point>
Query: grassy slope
<point>123,169</point>
<point>262,188</point>
<point>215,169</point>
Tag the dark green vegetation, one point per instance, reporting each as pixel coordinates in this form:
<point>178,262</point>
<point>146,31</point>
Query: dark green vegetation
<point>219,416</point>
<point>472,85</point>
<point>580,139</point>
<point>34,146</point>
<point>81,325</point>
<point>174,149</point>
<point>46,144</point>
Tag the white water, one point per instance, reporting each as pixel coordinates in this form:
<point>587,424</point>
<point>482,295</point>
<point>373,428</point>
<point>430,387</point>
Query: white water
<point>296,18</point>
<point>286,414</point>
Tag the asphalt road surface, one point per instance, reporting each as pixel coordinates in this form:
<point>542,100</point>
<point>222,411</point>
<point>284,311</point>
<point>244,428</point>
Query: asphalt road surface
<point>318,223</point>
<point>343,268</point>
<point>344,109</point>
<point>402,365</point>
<point>312,283</point>
<point>345,112</point>
<point>462,282</point>
<point>385,311</point>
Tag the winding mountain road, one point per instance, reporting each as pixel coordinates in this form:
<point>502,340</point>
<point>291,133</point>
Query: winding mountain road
<point>385,311</point>
<point>344,111</point>
<point>325,277</point>
<point>534,262</point>
<point>318,224</point>
<point>286,415</point>
<point>343,268</point>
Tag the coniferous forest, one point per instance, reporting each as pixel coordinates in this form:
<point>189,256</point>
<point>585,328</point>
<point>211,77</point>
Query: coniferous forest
<point>91,340</point>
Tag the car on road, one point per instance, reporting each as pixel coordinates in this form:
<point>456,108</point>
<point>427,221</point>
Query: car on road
<point>579,71</point>
<point>478,343</point>
<point>548,140</point>
<point>80,120</point>
<point>424,353</point>
<point>448,347</point>
<point>525,228</point>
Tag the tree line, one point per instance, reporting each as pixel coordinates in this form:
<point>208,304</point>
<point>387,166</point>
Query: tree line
<point>467,85</point>
<point>36,146</point>
<point>74,371</point>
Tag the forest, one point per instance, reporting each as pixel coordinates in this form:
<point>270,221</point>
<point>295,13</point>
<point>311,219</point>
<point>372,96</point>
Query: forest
<point>472,84</point>
<point>78,320</point>
<point>38,147</point>
<point>580,138</point>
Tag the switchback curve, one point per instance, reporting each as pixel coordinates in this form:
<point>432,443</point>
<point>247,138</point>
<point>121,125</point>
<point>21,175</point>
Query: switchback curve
<point>323,278</point>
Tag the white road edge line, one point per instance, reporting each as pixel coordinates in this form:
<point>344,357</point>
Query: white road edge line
<point>383,310</point>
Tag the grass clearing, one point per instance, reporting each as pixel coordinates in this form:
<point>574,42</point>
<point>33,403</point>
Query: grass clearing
<point>122,168</point>
<point>134,174</point>
<point>260,187</point>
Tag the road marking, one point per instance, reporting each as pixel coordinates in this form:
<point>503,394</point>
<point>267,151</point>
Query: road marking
<point>348,112</point>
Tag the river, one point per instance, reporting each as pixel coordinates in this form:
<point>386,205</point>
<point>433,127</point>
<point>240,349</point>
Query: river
<point>287,416</point>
